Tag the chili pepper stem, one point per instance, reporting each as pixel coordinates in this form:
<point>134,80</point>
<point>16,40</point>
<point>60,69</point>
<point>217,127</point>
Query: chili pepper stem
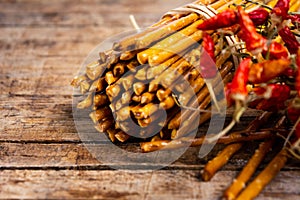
<point>191,108</point>
<point>212,94</point>
<point>296,146</point>
<point>240,109</point>
<point>222,133</point>
<point>291,133</point>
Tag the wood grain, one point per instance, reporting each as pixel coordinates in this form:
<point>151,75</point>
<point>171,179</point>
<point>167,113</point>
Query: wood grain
<point>42,45</point>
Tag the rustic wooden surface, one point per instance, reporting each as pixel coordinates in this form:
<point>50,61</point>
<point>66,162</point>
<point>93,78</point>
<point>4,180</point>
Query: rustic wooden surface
<point>42,45</point>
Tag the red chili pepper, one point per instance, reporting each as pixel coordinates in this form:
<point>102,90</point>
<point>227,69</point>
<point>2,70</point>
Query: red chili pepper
<point>254,41</point>
<point>259,16</point>
<point>289,39</point>
<point>207,61</point>
<point>228,92</point>
<point>275,97</point>
<point>209,45</point>
<point>295,18</point>
<point>221,20</point>
<point>281,8</point>
<point>275,51</point>
<point>238,87</point>
<point>289,72</point>
<point>267,70</point>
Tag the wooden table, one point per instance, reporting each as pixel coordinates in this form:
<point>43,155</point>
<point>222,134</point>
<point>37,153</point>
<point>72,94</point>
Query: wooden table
<point>41,155</point>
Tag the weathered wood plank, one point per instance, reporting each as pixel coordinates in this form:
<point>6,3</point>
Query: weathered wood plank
<point>42,45</point>
<point>77,155</point>
<point>108,184</point>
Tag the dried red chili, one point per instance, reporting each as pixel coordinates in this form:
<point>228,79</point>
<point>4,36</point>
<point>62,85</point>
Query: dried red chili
<point>267,70</point>
<point>238,86</point>
<point>289,39</point>
<point>228,92</point>
<point>289,72</point>
<point>207,61</point>
<point>275,97</point>
<point>295,18</point>
<point>221,20</point>
<point>275,51</point>
<point>209,45</point>
<point>259,16</point>
<point>281,8</point>
<point>254,41</point>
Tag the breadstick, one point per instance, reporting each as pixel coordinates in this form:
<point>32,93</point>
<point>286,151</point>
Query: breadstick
<point>138,88</point>
<point>147,97</point>
<point>94,70</point>
<point>100,114</point>
<point>158,34</point>
<point>219,161</point>
<point>239,183</point>
<point>98,85</point>
<point>258,184</point>
<point>100,100</point>
<point>175,49</point>
<point>122,136</point>
<point>87,102</point>
<point>164,44</point>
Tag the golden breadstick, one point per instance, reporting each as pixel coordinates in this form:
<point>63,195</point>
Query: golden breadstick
<point>175,49</point>
<point>127,81</point>
<point>87,102</point>
<point>136,98</point>
<point>100,114</point>
<point>126,97</point>
<point>122,136</point>
<point>145,111</point>
<point>141,74</point>
<point>94,69</point>
<point>164,44</point>
<point>128,55</point>
<point>147,97</point>
<point>239,183</point>
<point>119,69</point>
<point>104,125</point>
<point>123,113</point>
<point>132,65</point>
<point>111,134</point>
<point>130,41</point>
<point>258,184</point>
<point>98,85</point>
<point>237,137</point>
<point>168,103</point>
<point>219,161</point>
<point>162,94</point>
<point>158,34</point>
<point>112,91</point>
<point>157,70</point>
<point>100,100</point>
<point>138,88</point>
<point>78,79</point>
<point>110,78</point>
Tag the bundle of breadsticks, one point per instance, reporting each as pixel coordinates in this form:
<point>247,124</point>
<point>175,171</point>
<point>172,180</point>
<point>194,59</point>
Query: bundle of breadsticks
<point>117,88</point>
<point>148,85</point>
